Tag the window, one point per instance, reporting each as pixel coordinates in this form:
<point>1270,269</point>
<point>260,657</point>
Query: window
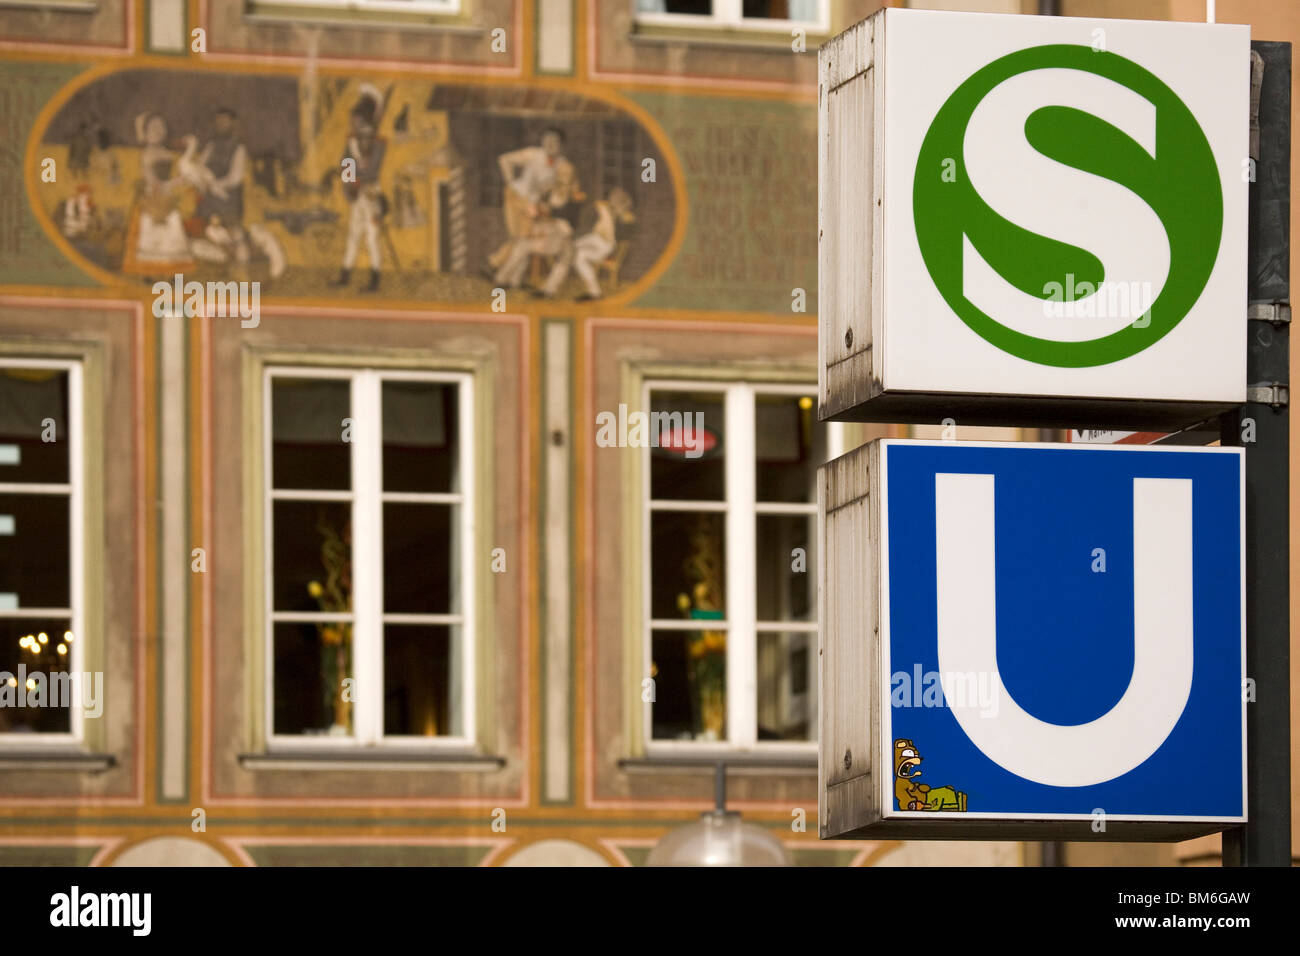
<point>369,556</point>
<point>747,14</point>
<point>730,604</point>
<point>41,606</point>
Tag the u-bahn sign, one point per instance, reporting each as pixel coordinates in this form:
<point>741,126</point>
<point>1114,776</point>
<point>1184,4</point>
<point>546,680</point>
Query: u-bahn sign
<point>1025,640</point>
<point>1027,218</point>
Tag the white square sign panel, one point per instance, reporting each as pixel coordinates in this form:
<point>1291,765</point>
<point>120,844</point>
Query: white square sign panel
<point>1064,207</point>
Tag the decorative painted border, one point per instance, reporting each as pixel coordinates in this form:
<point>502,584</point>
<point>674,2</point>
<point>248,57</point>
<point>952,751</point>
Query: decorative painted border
<point>143,745</point>
<point>128,48</point>
<point>586,627</point>
<point>521,27</point>
<point>528,519</point>
<point>702,82</point>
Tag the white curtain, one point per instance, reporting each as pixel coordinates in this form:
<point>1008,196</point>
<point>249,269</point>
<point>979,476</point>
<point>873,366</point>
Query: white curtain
<point>804,10</point>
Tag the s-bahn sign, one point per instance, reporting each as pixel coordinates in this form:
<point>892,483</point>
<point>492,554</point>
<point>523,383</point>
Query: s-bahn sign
<point>1024,640</point>
<point>1023,217</point>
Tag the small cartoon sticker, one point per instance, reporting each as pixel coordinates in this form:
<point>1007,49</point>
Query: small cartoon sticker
<point>912,795</point>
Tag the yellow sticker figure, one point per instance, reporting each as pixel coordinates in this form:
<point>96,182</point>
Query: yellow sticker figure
<point>913,795</point>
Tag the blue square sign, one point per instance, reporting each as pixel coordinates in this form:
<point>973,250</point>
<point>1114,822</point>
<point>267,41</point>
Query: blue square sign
<point>1063,631</point>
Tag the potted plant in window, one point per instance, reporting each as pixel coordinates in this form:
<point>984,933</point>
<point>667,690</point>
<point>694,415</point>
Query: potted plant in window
<point>334,594</point>
<point>706,650</point>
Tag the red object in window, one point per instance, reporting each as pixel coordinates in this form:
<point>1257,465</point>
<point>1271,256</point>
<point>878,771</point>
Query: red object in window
<point>683,440</point>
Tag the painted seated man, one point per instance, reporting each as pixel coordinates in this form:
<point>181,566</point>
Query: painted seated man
<point>586,253</point>
<point>548,236</point>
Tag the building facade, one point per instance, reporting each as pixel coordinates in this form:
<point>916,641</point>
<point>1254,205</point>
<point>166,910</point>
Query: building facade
<point>407,429</point>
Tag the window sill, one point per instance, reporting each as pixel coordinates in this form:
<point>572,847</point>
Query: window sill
<point>784,761</point>
<point>368,760</point>
<point>734,38</point>
<point>53,6</point>
<point>73,760</point>
<point>271,13</point>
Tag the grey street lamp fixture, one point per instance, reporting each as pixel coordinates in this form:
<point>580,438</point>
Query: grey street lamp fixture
<point>719,838</point>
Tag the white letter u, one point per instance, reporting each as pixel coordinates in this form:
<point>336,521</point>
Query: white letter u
<point>1078,755</point>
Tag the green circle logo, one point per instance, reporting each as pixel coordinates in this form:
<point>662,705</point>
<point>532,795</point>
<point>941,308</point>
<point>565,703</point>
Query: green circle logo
<point>1179,181</point>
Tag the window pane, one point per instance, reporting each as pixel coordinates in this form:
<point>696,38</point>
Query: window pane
<point>29,396</point>
<point>688,564</point>
<point>420,548</point>
<point>787,580</point>
<point>688,427</point>
<point>787,686</point>
<point>34,562</point>
<point>789,445</point>
<point>307,446</point>
<point>43,703</point>
<point>421,681</point>
<point>420,436</point>
<point>313,555</point>
<point>690,673</point>
<point>311,663</point>
<point>799,10</point>
<point>704,7</point>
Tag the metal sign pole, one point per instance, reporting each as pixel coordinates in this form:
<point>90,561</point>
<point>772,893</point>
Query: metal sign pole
<point>1261,426</point>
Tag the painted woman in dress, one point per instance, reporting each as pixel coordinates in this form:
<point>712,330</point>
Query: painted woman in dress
<point>157,244</point>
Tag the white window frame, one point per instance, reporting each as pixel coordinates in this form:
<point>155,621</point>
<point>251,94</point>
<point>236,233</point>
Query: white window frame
<point>367,617</point>
<point>74,488</point>
<point>741,511</point>
<point>439,7</point>
<point>729,14</point>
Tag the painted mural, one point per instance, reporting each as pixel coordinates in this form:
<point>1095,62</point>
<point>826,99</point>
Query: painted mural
<point>341,185</point>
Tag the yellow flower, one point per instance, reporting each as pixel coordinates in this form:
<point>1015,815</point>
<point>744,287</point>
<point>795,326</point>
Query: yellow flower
<point>314,589</point>
<point>715,640</point>
<point>331,635</point>
<point>696,649</point>
<point>683,603</point>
